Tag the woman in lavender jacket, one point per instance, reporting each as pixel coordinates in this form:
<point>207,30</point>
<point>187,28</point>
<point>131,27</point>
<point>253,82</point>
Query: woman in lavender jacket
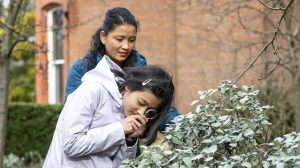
<point>101,121</point>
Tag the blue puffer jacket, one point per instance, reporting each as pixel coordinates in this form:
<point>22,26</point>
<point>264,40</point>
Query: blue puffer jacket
<point>80,67</point>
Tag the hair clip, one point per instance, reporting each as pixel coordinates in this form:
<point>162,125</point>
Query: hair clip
<point>119,80</point>
<point>146,82</point>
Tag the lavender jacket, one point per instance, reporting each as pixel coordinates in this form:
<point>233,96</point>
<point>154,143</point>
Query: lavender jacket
<point>89,132</point>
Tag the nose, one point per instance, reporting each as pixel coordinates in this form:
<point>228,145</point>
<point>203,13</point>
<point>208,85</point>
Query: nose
<point>142,110</point>
<point>125,45</point>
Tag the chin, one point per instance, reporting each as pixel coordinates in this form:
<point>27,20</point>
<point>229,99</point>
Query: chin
<point>122,58</point>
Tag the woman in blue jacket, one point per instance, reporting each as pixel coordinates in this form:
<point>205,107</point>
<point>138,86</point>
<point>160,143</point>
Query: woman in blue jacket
<point>115,38</point>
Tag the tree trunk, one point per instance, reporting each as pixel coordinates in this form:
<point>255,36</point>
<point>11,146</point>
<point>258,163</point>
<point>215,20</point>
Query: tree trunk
<point>4,65</point>
<point>4,83</point>
<point>7,46</point>
<point>3,99</point>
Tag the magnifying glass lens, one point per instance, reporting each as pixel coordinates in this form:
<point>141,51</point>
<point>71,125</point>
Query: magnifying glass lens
<point>151,113</point>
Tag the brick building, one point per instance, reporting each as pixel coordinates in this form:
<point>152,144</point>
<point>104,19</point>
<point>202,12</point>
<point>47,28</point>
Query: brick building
<point>172,33</point>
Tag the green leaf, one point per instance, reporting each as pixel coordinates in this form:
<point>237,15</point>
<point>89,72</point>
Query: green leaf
<point>175,165</point>
<point>216,124</point>
<point>246,164</point>
<point>248,122</point>
<point>200,156</point>
<point>210,150</point>
<point>156,157</point>
<point>168,136</point>
<point>248,132</point>
<point>187,161</point>
<point>209,159</point>
<point>176,141</point>
<point>233,144</point>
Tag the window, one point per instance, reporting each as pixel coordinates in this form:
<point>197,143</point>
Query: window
<point>55,55</point>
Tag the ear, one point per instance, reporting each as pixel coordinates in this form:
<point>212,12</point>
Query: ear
<point>102,37</point>
<point>125,91</point>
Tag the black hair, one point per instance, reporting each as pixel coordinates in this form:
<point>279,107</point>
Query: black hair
<point>113,18</point>
<point>160,84</point>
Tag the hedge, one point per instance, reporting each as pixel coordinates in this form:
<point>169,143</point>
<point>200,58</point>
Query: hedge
<point>30,127</point>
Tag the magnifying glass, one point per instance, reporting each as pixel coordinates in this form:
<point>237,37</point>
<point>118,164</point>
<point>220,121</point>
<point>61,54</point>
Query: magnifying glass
<point>151,113</point>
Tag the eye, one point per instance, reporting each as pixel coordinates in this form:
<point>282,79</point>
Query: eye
<point>119,38</point>
<point>132,40</point>
<point>141,103</point>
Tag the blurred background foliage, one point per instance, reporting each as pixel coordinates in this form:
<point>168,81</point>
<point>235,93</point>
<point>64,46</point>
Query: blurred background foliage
<point>21,72</point>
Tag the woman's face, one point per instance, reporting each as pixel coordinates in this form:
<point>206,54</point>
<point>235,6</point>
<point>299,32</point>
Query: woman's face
<point>119,43</point>
<point>138,102</point>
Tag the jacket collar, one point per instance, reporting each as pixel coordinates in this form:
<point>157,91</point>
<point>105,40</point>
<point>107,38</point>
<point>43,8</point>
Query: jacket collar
<point>102,74</point>
<point>139,59</point>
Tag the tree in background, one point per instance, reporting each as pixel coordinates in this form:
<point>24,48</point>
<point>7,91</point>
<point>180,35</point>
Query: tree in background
<point>262,38</point>
<point>279,54</point>
<point>21,71</point>
<point>12,34</point>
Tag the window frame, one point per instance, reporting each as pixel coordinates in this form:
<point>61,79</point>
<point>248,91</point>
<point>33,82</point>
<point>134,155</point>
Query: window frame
<point>55,66</point>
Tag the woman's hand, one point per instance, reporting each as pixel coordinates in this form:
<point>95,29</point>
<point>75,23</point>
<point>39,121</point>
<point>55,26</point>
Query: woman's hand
<point>134,125</point>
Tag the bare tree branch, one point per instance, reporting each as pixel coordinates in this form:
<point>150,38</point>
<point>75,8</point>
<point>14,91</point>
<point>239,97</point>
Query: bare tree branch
<point>272,42</point>
<point>272,8</point>
<point>22,39</point>
<point>273,69</point>
<point>249,28</point>
<point>14,44</point>
<point>281,64</point>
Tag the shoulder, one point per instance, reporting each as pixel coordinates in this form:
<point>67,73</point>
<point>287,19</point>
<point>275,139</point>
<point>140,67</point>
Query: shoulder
<point>80,66</point>
<point>91,91</point>
<point>92,87</point>
<point>139,59</point>
<point>81,63</point>
<point>88,94</point>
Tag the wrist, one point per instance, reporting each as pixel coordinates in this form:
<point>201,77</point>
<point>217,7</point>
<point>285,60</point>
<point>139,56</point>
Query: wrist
<point>131,139</point>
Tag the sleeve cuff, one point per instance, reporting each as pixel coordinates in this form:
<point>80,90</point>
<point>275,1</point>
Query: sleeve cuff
<point>131,142</point>
<point>130,151</point>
